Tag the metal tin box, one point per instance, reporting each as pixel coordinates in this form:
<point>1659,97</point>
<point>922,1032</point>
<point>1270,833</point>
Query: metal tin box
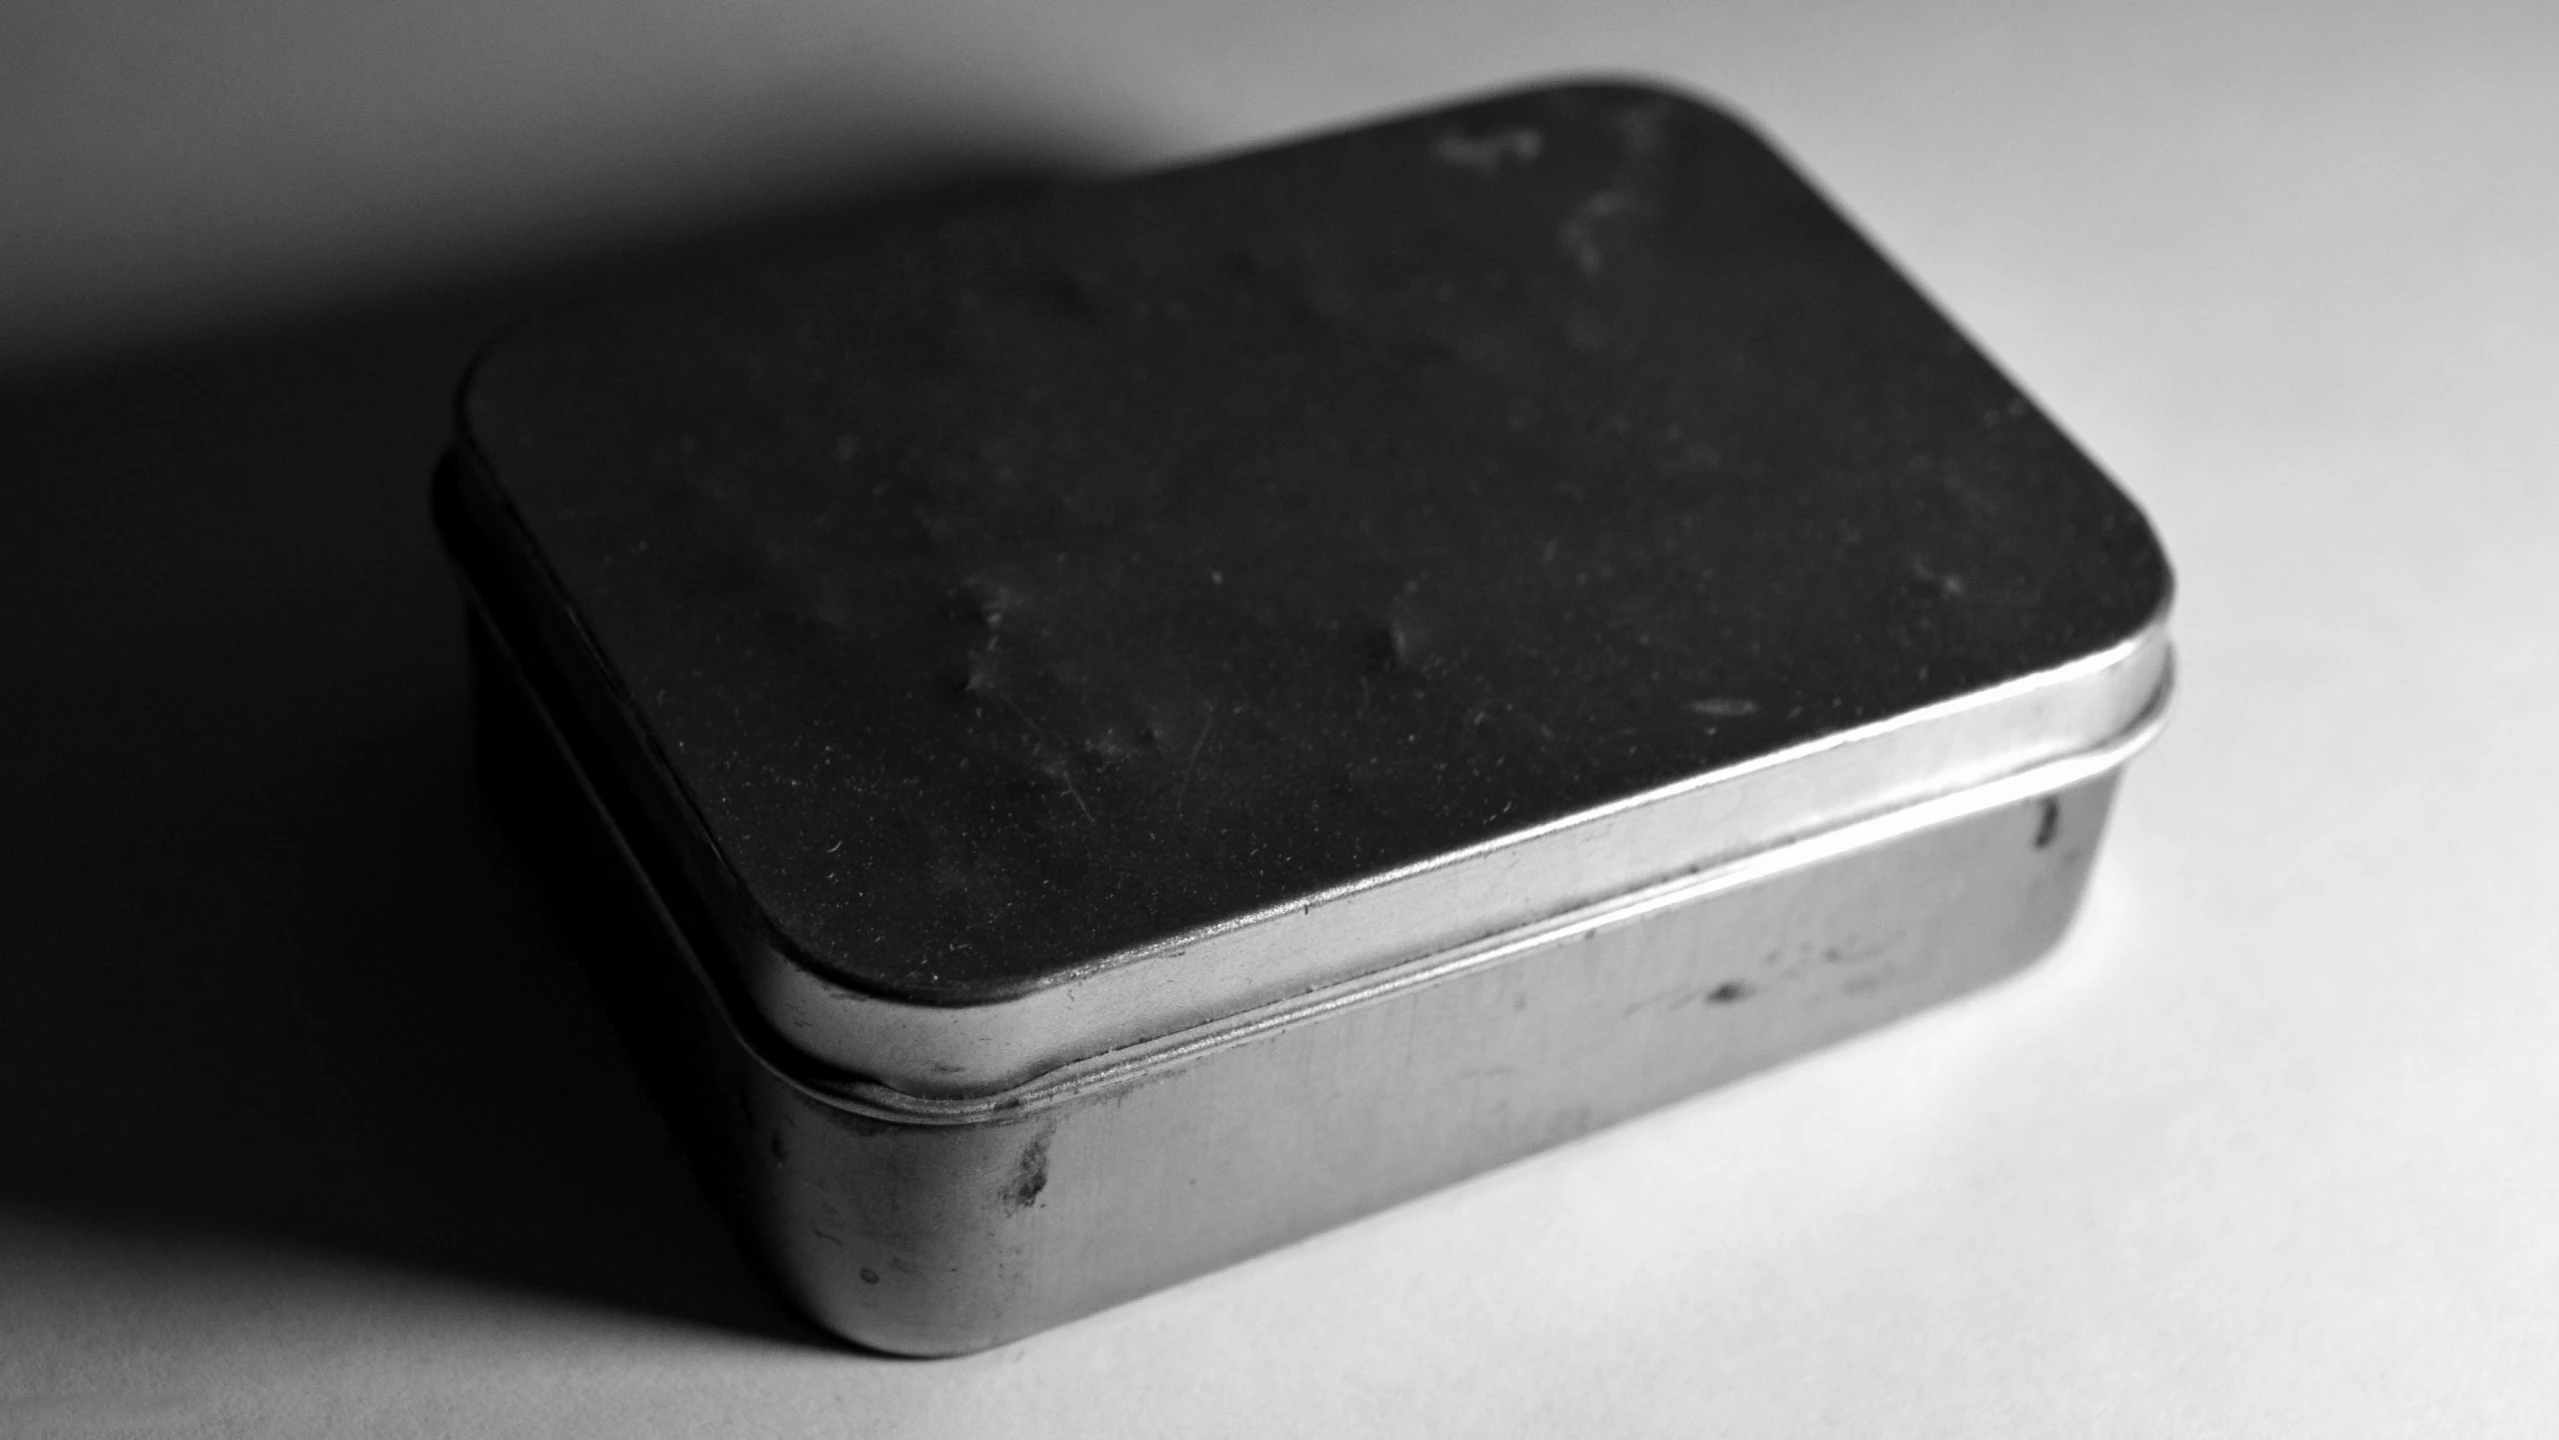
<point>1129,725</point>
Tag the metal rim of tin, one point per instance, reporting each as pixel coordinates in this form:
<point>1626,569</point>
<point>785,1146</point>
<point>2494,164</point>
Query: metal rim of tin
<point>867,1054</point>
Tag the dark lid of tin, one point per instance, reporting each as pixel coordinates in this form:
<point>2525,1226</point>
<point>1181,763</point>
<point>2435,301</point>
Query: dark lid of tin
<point>1006,595</point>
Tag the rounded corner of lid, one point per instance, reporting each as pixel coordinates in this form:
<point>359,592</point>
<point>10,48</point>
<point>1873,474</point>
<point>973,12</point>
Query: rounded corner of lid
<point>1638,95</point>
<point>1619,86</point>
<point>496,368</point>
<point>849,981</point>
<point>471,390</point>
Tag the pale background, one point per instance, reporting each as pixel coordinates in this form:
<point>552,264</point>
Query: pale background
<point>303,1131</point>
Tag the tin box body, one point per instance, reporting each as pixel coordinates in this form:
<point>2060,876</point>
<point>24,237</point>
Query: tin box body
<point>1107,732</point>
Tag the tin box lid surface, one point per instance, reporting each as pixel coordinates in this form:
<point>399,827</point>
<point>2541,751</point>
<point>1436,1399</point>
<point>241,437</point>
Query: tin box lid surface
<point>1046,627</point>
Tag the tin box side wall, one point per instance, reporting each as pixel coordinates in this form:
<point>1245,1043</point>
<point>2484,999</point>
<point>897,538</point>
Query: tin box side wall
<point>1132,1188</point>
<point>892,1235</point>
<point>939,1239</point>
<point>706,1087</point>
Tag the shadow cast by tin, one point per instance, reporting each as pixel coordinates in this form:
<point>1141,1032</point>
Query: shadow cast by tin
<point>272,972</point>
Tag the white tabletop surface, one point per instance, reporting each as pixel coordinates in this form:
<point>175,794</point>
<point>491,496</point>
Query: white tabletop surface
<point>2269,1147</point>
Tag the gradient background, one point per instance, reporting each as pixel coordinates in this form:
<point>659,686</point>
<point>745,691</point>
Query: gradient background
<point>306,1129</point>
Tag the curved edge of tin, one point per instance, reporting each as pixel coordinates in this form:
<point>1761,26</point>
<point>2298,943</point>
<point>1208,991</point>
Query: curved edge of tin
<point>1124,1020</point>
<point>972,1055</point>
<point>1139,1062</point>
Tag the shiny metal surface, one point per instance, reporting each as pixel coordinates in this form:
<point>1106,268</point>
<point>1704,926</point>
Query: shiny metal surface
<point>930,1229</point>
<point>1129,726</point>
<point>1901,774</point>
